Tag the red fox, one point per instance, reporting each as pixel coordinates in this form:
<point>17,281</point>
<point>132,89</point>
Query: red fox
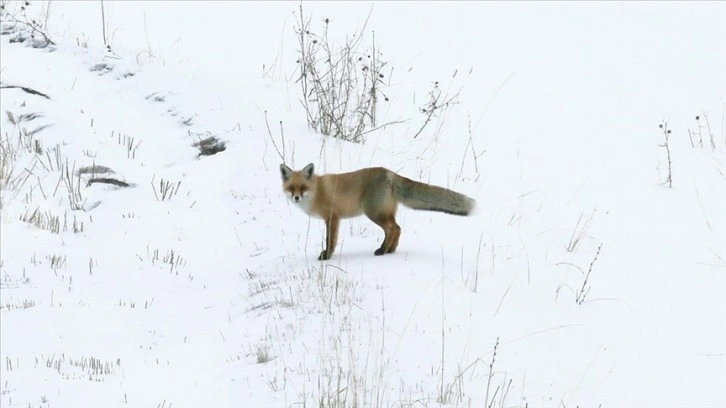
<point>374,192</point>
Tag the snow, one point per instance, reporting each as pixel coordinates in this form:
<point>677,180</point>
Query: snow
<point>213,296</point>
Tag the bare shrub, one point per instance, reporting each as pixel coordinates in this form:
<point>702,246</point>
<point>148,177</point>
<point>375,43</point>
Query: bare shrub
<point>32,31</point>
<point>438,102</point>
<point>340,86</point>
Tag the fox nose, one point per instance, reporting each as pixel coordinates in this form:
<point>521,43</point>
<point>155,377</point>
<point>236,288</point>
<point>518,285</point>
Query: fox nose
<point>297,198</point>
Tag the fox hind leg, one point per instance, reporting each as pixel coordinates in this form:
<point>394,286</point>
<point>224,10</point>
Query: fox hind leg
<point>394,239</point>
<point>380,206</point>
<point>392,234</point>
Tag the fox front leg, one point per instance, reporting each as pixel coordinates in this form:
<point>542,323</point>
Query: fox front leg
<point>324,255</point>
<point>331,237</point>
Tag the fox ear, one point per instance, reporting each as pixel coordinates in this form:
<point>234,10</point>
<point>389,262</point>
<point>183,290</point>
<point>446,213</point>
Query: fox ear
<point>308,171</point>
<point>286,172</point>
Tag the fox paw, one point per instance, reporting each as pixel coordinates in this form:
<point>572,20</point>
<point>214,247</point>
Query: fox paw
<point>323,256</point>
<point>379,251</point>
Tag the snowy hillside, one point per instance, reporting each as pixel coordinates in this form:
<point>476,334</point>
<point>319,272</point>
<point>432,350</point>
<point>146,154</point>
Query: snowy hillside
<point>139,270</point>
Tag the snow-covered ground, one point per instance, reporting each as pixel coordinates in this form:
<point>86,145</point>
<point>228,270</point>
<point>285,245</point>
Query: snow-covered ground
<point>582,280</point>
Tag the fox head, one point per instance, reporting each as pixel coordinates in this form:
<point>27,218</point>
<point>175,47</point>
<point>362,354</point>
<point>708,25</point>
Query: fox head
<point>298,185</point>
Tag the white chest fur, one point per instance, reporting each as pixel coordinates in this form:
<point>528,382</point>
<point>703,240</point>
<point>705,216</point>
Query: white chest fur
<point>306,205</point>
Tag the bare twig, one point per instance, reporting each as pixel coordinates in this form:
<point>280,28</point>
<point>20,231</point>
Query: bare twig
<point>434,105</point>
<point>710,133</point>
<point>666,133</point>
<point>579,231</point>
<point>585,289</point>
<point>491,371</point>
<point>269,132</point>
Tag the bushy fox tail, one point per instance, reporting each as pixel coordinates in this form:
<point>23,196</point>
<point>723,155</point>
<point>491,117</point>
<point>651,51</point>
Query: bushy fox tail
<point>421,196</point>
